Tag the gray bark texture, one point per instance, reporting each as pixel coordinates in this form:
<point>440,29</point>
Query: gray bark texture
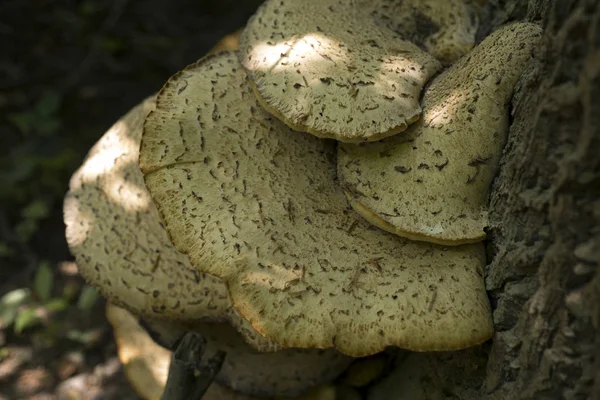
<point>544,248</point>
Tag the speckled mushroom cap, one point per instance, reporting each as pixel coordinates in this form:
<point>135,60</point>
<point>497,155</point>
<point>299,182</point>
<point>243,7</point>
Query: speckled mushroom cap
<point>444,28</point>
<point>288,372</point>
<point>146,364</point>
<point>325,67</point>
<point>115,234</point>
<point>257,204</point>
<point>432,183</point>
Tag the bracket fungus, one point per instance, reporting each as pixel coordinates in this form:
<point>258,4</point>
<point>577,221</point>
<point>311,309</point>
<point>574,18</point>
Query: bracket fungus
<point>121,247</point>
<point>206,209</point>
<point>432,182</point>
<point>257,204</point>
<point>322,67</point>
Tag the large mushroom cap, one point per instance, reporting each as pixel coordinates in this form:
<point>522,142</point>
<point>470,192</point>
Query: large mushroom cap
<point>121,247</point>
<point>445,28</point>
<point>432,183</point>
<point>327,68</point>
<point>257,204</point>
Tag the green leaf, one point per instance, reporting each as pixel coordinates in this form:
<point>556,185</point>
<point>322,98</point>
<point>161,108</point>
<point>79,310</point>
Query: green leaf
<point>37,209</point>
<point>56,304</point>
<point>112,44</point>
<point>89,8</point>
<point>19,172</point>
<point>43,282</point>
<point>87,337</point>
<point>10,303</point>
<point>76,336</point>
<point>26,229</point>
<point>32,213</point>
<point>47,126</point>
<point>87,298</point>
<point>48,105</point>
<point>24,121</point>
<point>70,290</point>
<point>4,353</point>
<point>26,319</point>
<point>5,250</point>
<point>15,297</point>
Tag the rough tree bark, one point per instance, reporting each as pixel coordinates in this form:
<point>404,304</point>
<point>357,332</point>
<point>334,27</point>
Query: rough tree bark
<point>544,236</point>
<point>189,375</point>
<point>545,221</point>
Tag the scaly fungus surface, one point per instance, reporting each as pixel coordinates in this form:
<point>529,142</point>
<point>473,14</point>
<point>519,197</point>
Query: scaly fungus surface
<point>432,182</point>
<point>327,68</point>
<point>258,205</point>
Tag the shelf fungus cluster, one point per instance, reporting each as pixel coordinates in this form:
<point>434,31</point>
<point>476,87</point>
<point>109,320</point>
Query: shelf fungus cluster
<point>223,206</point>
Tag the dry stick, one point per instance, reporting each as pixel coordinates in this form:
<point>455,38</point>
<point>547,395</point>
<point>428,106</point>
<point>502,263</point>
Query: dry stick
<point>188,379</point>
<point>206,374</point>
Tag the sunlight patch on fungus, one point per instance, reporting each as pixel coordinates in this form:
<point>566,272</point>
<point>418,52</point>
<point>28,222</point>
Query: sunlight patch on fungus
<point>135,349</point>
<point>443,112</point>
<point>115,147</point>
<point>307,47</point>
<point>146,363</point>
<point>77,233</point>
<point>278,54</point>
<point>277,277</point>
<point>126,194</point>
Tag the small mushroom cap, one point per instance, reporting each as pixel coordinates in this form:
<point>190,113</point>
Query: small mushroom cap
<point>115,234</point>
<point>322,67</point>
<point>432,183</point>
<point>257,204</point>
<point>146,364</point>
<point>288,372</point>
<point>445,28</point>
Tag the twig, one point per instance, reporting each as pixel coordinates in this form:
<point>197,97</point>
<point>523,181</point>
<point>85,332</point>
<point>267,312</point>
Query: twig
<point>188,379</point>
<point>206,374</point>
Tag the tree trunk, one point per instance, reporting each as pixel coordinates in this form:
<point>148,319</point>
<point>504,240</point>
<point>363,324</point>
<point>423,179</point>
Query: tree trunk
<point>545,218</point>
<point>544,236</point>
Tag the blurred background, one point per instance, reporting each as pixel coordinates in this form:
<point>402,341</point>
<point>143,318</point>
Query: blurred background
<point>68,70</point>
